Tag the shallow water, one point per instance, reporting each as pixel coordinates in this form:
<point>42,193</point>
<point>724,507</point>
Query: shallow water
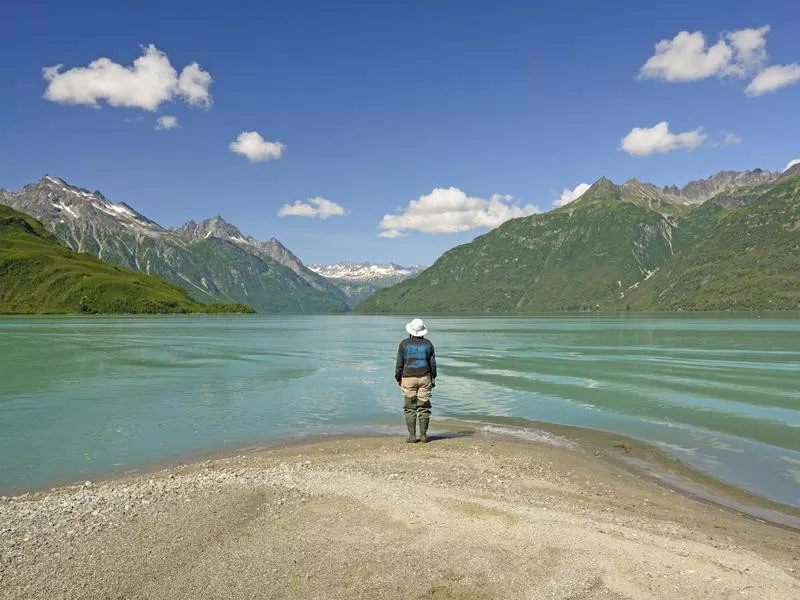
<point>81,396</point>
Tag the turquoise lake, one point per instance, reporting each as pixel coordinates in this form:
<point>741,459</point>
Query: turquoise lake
<point>82,396</point>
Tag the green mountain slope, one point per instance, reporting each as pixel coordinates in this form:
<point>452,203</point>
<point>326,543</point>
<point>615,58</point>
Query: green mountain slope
<point>211,260</point>
<point>234,274</point>
<point>613,250</point>
<point>38,275</point>
<point>749,261</point>
<point>569,259</point>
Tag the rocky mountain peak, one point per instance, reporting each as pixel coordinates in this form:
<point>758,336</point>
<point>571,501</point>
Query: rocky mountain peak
<point>599,190</point>
<point>51,180</point>
<point>76,208</point>
<point>216,227</point>
<point>57,183</point>
<point>700,190</point>
<point>665,199</point>
<point>793,171</point>
<point>282,254</point>
<point>601,187</point>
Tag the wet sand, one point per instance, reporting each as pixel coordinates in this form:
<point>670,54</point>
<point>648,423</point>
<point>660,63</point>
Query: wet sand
<point>461,517</point>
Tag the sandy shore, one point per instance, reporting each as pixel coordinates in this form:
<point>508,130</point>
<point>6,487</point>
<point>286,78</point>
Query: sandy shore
<point>461,517</point>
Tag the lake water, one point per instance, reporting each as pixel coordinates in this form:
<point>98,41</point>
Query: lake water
<point>81,396</point>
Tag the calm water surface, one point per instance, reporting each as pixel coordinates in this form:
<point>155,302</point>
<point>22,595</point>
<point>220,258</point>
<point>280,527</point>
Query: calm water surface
<point>81,396</point>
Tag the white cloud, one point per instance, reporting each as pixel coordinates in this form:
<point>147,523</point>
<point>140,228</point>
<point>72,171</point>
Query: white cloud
<point>315,207</point>
<point>743,53</point>
<point>449,210</point>
<point>749,50</point>
<point>147,84</point>
<point>568,196</point>
<point>792,163</point>
<point>255,147</point>
<point>774,78</point>
<point>193,85</point>
<point>166,122</point>
<point>643,141</point>
<point>391,234</point>
<point>686,57</point>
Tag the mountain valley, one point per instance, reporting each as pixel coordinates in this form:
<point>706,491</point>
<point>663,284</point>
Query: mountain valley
<point>360,280</point>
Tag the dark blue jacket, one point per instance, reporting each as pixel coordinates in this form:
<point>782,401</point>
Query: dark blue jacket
<point>415,358</point>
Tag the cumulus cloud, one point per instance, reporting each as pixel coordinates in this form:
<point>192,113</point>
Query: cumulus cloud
<point>193,85</point>
<point>166,123</point>
<point>749,50</point>
<point>449,210</point>
<point>644,141</point>
<point>686,57</point>
<point>792,163</point>
<point>568,196</point>
<point>255,147</point>
<point>774,78</point>
<point>743,53</point>
<point>147,84</point>
<point>314,207</point>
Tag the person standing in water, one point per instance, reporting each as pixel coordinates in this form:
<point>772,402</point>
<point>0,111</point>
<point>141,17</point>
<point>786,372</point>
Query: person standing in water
<point>415,373</point>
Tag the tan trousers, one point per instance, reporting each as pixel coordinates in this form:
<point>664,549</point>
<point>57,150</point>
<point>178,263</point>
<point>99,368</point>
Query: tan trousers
<point>417,394</point>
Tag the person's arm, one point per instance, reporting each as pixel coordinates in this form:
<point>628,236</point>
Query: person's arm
<point>432,362</point>
<point>398,365</point>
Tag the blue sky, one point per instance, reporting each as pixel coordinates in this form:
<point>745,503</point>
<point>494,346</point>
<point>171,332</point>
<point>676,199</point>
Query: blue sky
<point>381,104</point>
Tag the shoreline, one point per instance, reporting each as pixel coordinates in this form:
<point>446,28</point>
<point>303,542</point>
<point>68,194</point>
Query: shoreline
<point>482,516</point>
<point>636,456</point>
<point>657,464</point>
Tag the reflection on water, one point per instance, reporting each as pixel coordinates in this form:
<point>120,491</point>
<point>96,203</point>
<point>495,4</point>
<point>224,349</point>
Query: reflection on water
<point>80,395</point>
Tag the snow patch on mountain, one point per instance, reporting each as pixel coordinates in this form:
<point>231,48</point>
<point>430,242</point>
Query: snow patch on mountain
<point>365,271</point>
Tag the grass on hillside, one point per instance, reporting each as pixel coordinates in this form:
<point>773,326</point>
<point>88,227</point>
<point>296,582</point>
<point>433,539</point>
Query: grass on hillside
<point>600,253</point>
<point>38,275</point>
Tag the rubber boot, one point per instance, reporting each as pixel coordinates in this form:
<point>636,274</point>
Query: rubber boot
<point>423,428</point>
<point>411,423</point>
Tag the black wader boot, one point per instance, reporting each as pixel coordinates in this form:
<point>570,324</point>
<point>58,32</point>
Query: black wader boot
<point>423,428</point>
<point>424,413</point>
<point>411,422</point>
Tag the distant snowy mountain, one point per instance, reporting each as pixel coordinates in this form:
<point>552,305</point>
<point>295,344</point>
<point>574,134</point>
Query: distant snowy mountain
<point>365,271</point>
<point>361,280</point>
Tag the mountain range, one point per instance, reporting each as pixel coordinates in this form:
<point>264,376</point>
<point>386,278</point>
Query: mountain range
<point>360,280</point>
<point>211,260</point>
<point>729,242</point>
<point>39,275</point>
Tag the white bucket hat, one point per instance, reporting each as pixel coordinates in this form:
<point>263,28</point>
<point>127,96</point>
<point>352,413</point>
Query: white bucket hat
<point>417,328</point>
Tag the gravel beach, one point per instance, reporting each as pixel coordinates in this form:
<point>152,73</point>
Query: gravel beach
<point>460,517</point>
